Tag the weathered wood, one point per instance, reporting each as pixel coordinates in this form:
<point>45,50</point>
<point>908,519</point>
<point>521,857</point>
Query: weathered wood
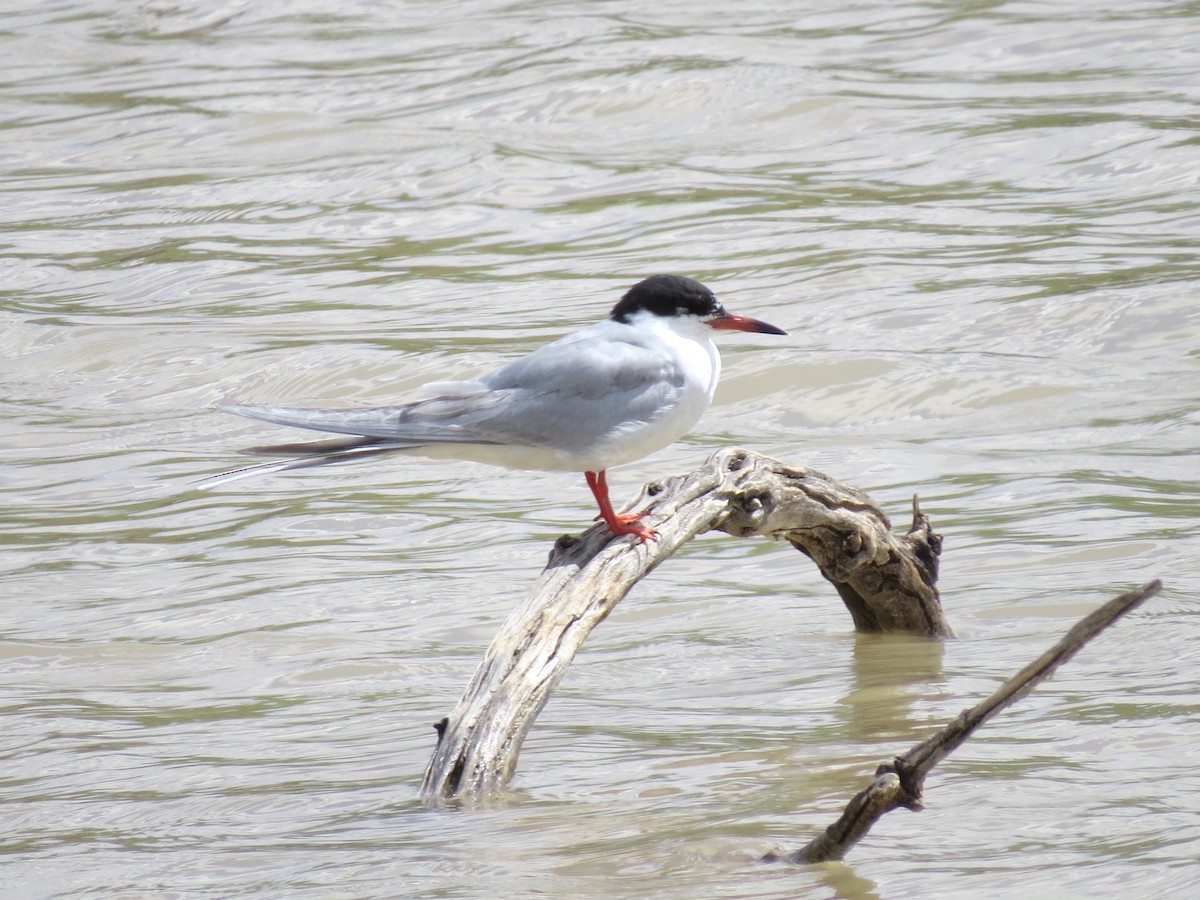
<point>887,581</point>
<point>901,782</point>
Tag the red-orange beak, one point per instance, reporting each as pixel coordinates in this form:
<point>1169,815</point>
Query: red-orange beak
<point>730,322</point>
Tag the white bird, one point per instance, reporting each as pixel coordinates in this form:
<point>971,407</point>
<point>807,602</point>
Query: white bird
<point>605,395</point>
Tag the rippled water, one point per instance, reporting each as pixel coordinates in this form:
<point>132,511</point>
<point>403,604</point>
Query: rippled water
<point>978,220</point>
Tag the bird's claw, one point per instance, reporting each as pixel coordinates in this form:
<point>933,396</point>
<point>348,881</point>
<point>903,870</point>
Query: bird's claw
<point>627,523</point>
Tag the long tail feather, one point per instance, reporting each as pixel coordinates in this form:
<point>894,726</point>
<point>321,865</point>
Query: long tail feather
<point>313,448</point>
<point>371,432</point>
<point>315,453</point>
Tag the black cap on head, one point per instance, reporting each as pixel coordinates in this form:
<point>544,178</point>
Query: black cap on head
<point>668,295</point>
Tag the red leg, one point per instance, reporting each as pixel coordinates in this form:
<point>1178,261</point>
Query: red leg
<point>618,523</point>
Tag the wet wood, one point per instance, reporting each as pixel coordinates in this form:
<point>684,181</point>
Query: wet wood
<point>886,580</point>
<point>900,783</point>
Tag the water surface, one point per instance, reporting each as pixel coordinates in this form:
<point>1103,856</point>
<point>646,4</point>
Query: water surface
<point>978,222</point>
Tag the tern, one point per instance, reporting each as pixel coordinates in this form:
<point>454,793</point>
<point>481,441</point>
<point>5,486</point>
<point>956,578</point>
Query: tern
<point>600,397</point>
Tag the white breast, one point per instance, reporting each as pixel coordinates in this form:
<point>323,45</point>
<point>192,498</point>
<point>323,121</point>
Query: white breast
<point>693,355</point>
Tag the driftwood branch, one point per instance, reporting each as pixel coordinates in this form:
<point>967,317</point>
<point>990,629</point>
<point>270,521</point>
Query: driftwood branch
<point>900,783</point>
<point>887,582</point>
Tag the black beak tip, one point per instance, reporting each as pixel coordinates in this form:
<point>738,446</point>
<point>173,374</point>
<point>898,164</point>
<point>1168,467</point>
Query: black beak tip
<point>727,322</point>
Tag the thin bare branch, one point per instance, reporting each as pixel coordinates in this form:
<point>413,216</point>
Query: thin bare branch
<point>900,783</point>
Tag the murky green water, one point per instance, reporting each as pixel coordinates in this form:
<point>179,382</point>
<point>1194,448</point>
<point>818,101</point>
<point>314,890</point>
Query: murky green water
<point>978,220</point>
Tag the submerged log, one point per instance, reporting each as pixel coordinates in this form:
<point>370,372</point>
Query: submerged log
<point>887,582</point>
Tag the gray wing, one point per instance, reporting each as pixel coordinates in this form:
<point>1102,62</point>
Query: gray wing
<point>444,419</point>
<point>576,392</point>
<point>566,395</point>
<point>571,396</point>
<point>372,431</point>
